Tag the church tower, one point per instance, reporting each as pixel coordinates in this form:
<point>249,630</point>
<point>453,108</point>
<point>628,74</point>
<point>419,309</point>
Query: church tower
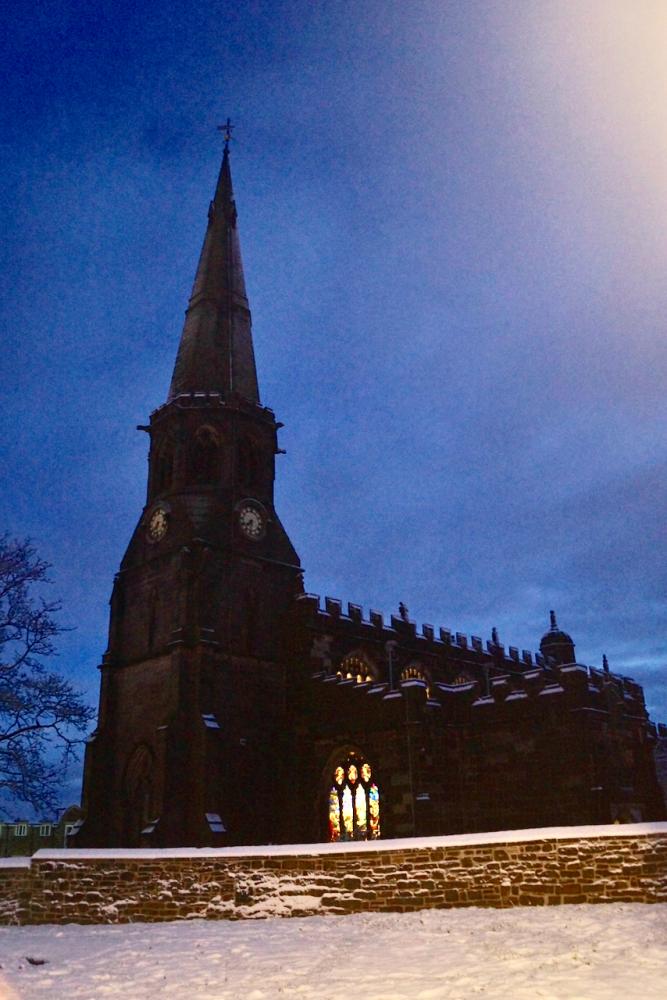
<point>192,700</point>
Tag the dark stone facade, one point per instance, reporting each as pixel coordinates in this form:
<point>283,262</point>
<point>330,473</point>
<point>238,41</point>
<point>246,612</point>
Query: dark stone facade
<point>228,695</point>
<point>481,738</point>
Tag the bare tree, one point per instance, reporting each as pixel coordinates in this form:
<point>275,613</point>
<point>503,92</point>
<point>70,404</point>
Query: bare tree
<point>42,717</point>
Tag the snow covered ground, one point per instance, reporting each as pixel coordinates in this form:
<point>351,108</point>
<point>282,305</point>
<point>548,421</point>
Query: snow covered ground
<point>576,952</point>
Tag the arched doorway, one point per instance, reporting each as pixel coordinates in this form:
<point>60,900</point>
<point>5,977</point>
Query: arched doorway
<point>353,801</point>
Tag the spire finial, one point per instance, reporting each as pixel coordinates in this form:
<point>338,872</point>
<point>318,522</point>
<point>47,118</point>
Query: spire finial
<point>605,663</point>
<point>227,130</point>
<point>552,618</point>
<point>494,636</point>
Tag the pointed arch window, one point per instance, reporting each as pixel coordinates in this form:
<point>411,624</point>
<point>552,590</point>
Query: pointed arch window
<point>248,464</point>
<point>164,467</point>
<point>138,789</point>
<point>206,456</point>
<point>356,667</point>
<point>354,801</point>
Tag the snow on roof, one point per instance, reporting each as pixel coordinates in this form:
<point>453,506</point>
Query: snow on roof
<point>356,847</point>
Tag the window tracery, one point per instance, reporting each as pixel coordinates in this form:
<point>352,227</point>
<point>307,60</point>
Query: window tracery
<point>357,668</point>
<point>354,801</point>
<point>415,671</point>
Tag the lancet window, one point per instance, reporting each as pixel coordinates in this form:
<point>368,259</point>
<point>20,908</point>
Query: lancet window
<point>164,467</point>
<point>138,787</point>
<point>354,801</point>
<point>205,456</point>
<point>248,465</point>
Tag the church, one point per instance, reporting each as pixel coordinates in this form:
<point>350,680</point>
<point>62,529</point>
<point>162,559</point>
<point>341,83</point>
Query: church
<point>236,708</point>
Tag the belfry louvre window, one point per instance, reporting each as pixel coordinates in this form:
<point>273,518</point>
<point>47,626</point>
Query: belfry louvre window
<point>354,801</point>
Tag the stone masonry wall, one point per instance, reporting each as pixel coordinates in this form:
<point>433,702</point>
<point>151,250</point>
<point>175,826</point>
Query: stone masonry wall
<point>15,888</point>
<point>499,870</point>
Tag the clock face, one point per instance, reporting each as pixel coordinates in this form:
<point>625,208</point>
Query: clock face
<point>251,522</point>
<point>158,524</point>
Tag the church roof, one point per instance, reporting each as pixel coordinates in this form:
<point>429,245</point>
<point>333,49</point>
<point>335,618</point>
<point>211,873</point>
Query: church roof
<point>216,351</point>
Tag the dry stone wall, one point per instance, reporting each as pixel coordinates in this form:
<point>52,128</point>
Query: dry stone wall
<point>624,864</point>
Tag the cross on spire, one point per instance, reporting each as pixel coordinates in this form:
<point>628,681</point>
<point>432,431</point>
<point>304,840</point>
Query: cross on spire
<point>227,130</point>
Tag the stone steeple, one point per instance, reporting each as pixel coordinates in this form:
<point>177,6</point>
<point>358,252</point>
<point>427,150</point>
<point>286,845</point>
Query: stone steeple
<point>193,702</point>
<point>216,352</point>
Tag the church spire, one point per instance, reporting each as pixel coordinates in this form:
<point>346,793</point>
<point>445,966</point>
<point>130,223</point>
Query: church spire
<point>216,352</point>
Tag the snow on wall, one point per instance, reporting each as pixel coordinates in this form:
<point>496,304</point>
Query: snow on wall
<point>356,847</point>
<point>15,886</point>
<point>516,868</point>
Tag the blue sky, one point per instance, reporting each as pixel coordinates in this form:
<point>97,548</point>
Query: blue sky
<point>453,221</point>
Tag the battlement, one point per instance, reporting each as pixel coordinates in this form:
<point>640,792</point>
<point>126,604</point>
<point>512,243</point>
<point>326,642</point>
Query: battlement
<point>517,674</point>
<point>334,608</point>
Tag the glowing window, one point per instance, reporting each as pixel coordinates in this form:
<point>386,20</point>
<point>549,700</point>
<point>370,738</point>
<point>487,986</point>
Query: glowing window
<point>413,672</point>
<point>416,672</point>
<point>355,668</point>
<point>247,462</point>
<point>354,801</point>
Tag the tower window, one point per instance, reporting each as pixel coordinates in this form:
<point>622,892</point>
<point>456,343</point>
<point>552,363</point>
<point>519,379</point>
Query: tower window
<point>248,466</point>
<point>205,456</point>
<point>354,801</point>
<point>164,467</point>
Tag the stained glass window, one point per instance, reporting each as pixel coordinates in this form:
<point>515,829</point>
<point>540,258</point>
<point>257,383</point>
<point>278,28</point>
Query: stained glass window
<point>354,801</point>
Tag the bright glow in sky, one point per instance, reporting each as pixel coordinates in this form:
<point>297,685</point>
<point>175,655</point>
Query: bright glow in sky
<point>453,218</point>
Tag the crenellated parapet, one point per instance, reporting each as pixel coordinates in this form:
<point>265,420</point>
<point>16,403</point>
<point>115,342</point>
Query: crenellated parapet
<point>345,647</point>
